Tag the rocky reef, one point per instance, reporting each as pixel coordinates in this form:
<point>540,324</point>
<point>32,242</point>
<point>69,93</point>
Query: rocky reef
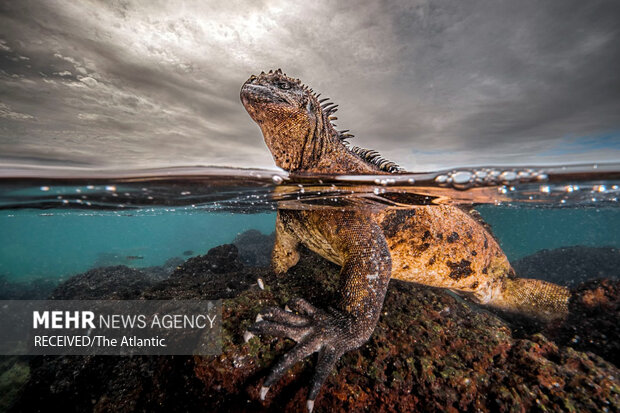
<point>431,351</point>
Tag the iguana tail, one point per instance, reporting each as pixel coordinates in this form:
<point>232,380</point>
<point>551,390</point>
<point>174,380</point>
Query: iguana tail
<point>535,298</point>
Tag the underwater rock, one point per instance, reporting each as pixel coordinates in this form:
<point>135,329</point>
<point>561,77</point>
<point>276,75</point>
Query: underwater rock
<point>119,283</point>
<point>14,372</point>
<point>255,247</point>
<point>196,280</point>
<point>592,322</point>
<point>570,266</point>
<point>140,383</point>
<point>430,351</point>
<point>109,383</point>
<point>164,271</point>
<point>218,260</point>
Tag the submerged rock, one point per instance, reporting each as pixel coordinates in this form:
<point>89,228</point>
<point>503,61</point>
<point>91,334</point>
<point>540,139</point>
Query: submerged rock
<point>255,247</point>
<point>218,260</point>
<point>119,282</point>
<point>139,383</point>
<point>592,323</point>
<point>431,351</point>
<point>571,266</point>
<point>164,271</point>
<point>14,371</point>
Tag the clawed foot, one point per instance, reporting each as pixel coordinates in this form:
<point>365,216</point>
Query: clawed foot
<point>330,333</point>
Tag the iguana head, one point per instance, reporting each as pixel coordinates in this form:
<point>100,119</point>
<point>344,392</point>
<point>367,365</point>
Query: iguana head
<point>288,114</point>
<point>274,96</point>
<point>298,128</point>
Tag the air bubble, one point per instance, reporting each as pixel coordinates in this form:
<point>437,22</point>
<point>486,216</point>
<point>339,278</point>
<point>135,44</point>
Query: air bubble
<point>45,188</point>
<point>508,176</point>
<point>462,177</point>
<point>385,182</point>
<point>277,179</point>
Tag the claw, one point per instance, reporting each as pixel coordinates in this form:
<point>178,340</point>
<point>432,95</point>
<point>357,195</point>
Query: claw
<point>276,329</point>
<point>263,392</point>
<point>326,362</point>
<point>302,306</point>
<point>310,405</point>
<point>247,336</point>
<point>258,318</point>
<point>288,309</point>
<point>285,317</point>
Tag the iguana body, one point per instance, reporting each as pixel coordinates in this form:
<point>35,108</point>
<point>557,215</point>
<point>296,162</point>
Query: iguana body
<point>435,245</point>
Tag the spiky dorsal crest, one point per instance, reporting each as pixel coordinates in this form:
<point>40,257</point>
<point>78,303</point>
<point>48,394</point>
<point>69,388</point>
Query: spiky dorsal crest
<point>375,158</point>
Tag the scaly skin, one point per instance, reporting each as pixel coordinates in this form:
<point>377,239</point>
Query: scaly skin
<point>435,245</point>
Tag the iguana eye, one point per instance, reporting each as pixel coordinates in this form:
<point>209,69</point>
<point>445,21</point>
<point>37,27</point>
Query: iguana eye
<point>284,85</point>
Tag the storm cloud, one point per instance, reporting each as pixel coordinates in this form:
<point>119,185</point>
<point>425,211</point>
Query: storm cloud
<point>429,84</point>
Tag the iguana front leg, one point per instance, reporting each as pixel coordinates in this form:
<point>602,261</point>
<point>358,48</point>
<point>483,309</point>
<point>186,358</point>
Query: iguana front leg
<point>350,322</point>
<point>285,252</point>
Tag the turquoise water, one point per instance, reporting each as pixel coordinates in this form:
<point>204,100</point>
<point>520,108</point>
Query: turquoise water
<point>35,244</point>
<point>524,231</point>
<point>59,244</point>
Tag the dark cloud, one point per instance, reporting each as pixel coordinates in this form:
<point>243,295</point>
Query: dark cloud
<point>428,83</point>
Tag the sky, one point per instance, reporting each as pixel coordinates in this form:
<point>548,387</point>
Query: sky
<point>429,84</point>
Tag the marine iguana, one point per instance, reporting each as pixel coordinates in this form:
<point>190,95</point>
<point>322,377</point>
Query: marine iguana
<point>435,245</point>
